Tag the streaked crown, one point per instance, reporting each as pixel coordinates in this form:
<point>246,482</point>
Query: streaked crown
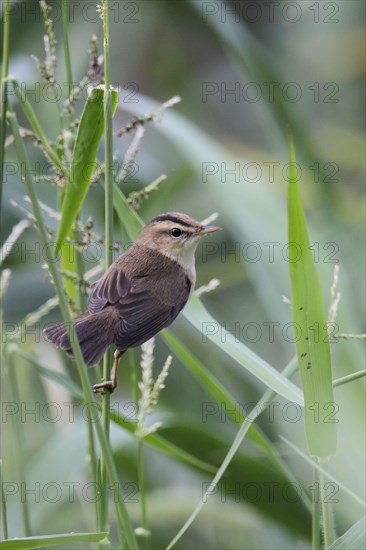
<point>168,220</point>
<point>174,234</point>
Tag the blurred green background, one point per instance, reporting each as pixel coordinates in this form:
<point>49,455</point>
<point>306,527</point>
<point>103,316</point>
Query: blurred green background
<point>245,72</point>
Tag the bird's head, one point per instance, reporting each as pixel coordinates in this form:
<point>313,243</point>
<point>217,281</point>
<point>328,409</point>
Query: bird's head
<point>175,235</point>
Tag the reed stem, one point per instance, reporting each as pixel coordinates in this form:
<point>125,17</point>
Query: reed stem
<point>123,522</point>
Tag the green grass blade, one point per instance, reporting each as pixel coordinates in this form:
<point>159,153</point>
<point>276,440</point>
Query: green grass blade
<point>62,379</point>
<point>163,445</point>
<point>308,315</point>
<point>198,316</point>
<point>103,515</point>
<point>68,264</point>
<point>3,88</point>
<point>50,540</point>
<point>4,513</point>
<point>353,539</point>
<point>315,516</point>
<point>349,378</point>
<point>83,161</point>
<point>19,460</point>
<point>65,28</point>
<point>217,391</point>
<point>323,471</point>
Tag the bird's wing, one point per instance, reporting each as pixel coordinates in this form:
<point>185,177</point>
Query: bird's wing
<point>143,315</point>
<point>112,287</point>
<point>143,310</point>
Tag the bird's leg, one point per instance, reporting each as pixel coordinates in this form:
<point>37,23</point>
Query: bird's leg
<point>110,385</point>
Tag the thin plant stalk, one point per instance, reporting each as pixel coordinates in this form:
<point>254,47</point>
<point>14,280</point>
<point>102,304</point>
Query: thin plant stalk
<point>65,26</point>
<point>108,155</point>
<point>4,515</point>
<point>349,378</point>
<point>315,516</point>
<point>140,460</point>
<point>92,457</point>
<point>141,485</point>
<point>4,89</point>
<point>124,526</point>
<point>328,527</point>
<point>19,437</point>
<point>130,355</point>
<point>93,460</point>
<point>108,145</point>
<point>328,476</point>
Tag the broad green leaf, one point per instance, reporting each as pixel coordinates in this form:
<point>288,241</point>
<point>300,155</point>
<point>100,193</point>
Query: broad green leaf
<point>50,540</point>
<point>353,539</point>
<point>68,264</point>
<point>64,381</point>
<point>310,328</point>
<point>199,318</point>
<point>83,160</point>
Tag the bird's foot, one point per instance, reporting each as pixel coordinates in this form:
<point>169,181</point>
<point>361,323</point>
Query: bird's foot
<point>110,385</point>
<point>103,387</point>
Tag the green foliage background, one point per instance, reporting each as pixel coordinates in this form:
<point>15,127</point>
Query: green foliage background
<point>160,49</point>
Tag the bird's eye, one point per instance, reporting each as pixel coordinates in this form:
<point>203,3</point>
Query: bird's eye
<point>175,232</point>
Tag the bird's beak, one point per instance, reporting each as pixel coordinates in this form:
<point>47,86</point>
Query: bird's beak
<point>206,229</point>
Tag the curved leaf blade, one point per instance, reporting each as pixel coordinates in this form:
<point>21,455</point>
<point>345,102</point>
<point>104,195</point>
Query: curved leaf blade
<point>51,540</point>
<point>312,342</point>
<point>199,317</point>
<point>217,391</point>
<point>83,160</point>
<point>353,539</point>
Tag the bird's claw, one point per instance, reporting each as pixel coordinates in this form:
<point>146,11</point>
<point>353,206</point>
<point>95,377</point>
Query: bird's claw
<point>103,386</point>
<point>110,385</point>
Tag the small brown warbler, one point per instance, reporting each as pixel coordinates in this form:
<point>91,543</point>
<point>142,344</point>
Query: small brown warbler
<point>141,293</point>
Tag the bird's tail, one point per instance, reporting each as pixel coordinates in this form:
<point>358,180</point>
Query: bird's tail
<point>95,333</point>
